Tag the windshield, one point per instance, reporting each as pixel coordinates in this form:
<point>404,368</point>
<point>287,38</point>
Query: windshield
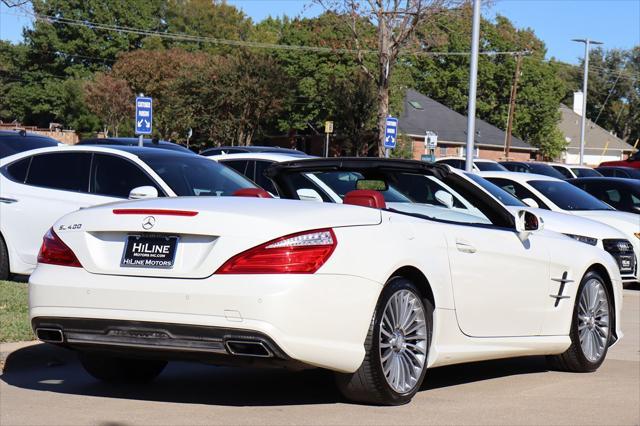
<point>503,196</point>
<point>585,172</point>
<point>567,196</point>
<point>196,176</point>
<point>488,166</point>
<point>343,182</point>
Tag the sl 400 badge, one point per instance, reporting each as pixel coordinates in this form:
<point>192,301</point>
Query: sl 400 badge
<point>73,227</point>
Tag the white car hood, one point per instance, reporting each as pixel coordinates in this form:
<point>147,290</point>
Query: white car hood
<point>575,225</point>
<point>628,223</point>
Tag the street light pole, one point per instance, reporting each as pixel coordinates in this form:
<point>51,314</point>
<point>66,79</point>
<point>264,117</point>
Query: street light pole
<point>473,84</point>
<point>585,81</point>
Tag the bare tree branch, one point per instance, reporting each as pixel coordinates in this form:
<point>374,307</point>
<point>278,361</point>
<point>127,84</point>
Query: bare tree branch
<point>396,22</point>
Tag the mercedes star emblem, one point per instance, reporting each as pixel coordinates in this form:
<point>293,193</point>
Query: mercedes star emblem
<point>148,222</point>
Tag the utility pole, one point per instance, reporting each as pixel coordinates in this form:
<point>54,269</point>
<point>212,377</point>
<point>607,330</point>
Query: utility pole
<point>585,81</point>
<point>473,85</point>
<point>512,106</point>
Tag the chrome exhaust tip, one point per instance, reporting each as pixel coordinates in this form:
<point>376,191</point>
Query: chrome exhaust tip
<point>50,335</point>
<point>248,348</point>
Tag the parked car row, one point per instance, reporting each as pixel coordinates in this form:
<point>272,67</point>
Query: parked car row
<point>593,227</point>
<point>402,267</point>
<point>375,269</point>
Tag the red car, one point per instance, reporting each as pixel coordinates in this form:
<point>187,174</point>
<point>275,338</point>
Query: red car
<point>632,161</point>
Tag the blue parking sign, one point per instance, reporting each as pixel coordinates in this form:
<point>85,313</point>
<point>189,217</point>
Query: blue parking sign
<point>144,115</point>
<point>391,132</point>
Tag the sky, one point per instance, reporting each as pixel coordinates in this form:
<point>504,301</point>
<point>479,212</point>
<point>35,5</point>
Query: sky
<point>616,23</point>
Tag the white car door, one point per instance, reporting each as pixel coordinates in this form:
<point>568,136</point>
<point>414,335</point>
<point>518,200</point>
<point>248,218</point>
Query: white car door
<point>56,184</point>
<point>500,283</point>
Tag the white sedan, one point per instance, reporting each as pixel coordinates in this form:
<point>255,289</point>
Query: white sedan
<point>375,294</point>
<point>554,194</point>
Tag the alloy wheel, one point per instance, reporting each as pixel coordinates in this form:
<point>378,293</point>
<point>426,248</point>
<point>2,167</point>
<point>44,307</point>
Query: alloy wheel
<point>593,320</point>
<point>403,341</point>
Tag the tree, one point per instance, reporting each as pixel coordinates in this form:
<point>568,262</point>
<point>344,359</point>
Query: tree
<point>613,89</point>
<point>224,99</point>
<point>111,100</point>
<point>354,103</point>
<point>171,116</point>
<point>395,22</point>
<point>207,18</point>
<point>313,73</point>
<point>445,77</point>
<point>69,44</point>
<point>234,97</point>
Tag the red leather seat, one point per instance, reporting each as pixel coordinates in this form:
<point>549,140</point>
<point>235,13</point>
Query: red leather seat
<point>365,198</point>
<point>252,192</point>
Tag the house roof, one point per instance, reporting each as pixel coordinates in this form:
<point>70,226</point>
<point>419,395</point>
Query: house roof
<point>596,138</point>
<point>421,114</point>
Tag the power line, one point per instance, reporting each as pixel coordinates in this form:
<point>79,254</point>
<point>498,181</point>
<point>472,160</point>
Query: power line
<point>234,43</point>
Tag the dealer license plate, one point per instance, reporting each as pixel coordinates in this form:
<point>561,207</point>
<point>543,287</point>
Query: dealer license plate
<point>149,252</point>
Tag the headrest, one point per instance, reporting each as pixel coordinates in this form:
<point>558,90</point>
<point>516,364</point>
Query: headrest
<point>252,192</point>
<point>365,198</point>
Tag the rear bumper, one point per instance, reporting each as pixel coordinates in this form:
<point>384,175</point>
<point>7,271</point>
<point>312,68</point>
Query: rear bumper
<point>227,346</point>
<point>318,320</point>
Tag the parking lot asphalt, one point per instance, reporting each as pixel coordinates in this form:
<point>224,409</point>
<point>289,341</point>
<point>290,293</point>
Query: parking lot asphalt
<point>42,384</point>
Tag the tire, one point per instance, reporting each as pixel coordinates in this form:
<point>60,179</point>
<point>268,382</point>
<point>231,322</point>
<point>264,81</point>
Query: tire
<point>594,320</point>
<point>121,370</point>
<point>370,384</point>
<point>4,260</point>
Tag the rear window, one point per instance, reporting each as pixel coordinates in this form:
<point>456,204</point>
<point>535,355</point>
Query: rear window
<point>584,172</point>
<point>10,145</point>
<point>488,166</point>
<point>196,176</point>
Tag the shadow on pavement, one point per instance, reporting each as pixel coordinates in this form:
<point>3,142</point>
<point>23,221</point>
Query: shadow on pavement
<point>48,368</point>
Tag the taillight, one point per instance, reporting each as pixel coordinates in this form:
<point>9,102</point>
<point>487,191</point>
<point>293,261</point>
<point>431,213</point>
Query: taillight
<point>302,253</point>
<point>56,252</point>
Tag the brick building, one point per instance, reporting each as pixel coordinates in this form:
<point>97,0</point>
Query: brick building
<point>422,114</point>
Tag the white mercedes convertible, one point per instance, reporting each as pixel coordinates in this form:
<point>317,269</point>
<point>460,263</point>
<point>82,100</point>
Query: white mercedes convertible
<point>371,292</point>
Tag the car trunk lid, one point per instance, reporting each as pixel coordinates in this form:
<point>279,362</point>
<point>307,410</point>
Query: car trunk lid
<point>191,237</point>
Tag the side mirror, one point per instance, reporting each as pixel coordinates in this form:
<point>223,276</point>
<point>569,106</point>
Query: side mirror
<point>143,192</point>
<point>528,222</point>
<point>531,202</point>
<point>444,198</point>
<point>308,194</point>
